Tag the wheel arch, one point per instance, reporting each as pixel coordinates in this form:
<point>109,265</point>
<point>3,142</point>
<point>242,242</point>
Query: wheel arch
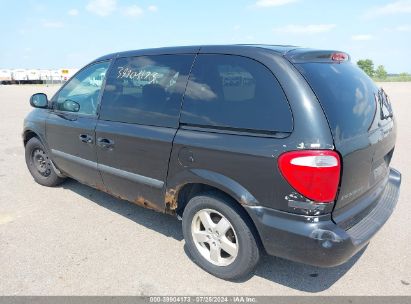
<point>198,179</point>
<point>29,134</point>
<point>34,129</point>
<point>194,182</point>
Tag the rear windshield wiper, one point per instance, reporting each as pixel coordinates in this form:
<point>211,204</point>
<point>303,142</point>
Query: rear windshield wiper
<point>384,104</point>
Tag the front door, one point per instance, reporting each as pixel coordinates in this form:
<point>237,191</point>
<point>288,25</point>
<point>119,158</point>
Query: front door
<point>70,127</point>
<point>138,120</point>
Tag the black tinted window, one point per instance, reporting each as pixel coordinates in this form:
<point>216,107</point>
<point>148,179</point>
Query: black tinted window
<point>346,94</point>
<point>235,92</point>
<point>146,89</point>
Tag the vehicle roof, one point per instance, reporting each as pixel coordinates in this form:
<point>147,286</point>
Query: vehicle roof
<point>291,52</point>
<point>279,49</point>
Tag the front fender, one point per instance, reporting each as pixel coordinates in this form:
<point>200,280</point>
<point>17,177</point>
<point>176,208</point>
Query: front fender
<point>35,122</point>
<point>30,127</point>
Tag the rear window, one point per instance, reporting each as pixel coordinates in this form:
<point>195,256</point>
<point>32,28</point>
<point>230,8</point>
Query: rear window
<point>346,93</point>
<point>227,91</point>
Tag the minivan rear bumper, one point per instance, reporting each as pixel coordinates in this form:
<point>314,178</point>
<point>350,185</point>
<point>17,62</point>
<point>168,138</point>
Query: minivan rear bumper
<point>318,240</point>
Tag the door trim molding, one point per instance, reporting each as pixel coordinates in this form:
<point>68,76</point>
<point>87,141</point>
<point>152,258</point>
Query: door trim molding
<point>110,170</point>
<point>132,176</point>
<point>76,159</point>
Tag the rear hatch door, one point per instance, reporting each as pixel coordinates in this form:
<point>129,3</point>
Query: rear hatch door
<point>361,121</point>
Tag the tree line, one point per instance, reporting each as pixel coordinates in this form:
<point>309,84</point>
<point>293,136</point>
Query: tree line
<point>367,65</point>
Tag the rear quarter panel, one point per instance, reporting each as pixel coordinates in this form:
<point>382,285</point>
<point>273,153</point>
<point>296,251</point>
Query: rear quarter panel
<point>251,161</point>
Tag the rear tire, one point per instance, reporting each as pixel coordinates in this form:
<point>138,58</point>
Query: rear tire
<point>39,164</point>
<point>219,236</point>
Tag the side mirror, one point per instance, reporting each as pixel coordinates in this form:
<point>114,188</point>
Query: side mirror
<point>71,106</point>
<point>39,100</point>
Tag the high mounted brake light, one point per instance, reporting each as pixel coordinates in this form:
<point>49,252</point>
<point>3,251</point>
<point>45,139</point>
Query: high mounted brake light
<point>339,57</point>
<point>313,173</point>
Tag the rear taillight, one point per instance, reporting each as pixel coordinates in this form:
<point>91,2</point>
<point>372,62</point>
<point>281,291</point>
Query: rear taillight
<point>313,173</point>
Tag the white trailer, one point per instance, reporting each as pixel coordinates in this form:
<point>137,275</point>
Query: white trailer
<point>5,76</point>
<point>19,75</point>
<point>45,75</point>
<point>56,76</point>
<point>33,75</point>
<point>25,76</point>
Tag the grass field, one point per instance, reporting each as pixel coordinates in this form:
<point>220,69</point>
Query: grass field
<point>398,78</point>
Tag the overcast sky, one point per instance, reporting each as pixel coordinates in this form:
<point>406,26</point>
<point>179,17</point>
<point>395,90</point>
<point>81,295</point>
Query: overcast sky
<point>57,34</point>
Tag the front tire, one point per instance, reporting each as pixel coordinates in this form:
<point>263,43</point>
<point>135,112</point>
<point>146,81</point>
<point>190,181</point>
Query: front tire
<point>39,164</point>
<point>219,236</point>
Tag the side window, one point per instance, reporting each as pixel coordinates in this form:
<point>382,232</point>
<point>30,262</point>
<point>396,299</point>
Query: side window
<point>146,89</point>
<point>83,89</point>
<point>235,92</point>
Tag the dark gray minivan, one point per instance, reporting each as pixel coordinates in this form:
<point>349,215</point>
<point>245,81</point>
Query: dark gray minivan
<point>274,149</point>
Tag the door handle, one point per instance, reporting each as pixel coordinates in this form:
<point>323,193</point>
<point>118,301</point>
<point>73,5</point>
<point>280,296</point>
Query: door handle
<point>85,138</point>
<point>105,143</point>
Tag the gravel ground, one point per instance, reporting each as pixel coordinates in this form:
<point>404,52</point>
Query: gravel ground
<point>74,240</point>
